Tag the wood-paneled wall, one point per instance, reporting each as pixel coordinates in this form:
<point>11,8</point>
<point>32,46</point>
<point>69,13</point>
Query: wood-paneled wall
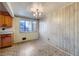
<point>61,27</point>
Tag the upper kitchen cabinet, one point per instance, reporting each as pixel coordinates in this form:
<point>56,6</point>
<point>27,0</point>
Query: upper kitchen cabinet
<point>8,21</point>
<point>5,20</point>
<point>1,20</point>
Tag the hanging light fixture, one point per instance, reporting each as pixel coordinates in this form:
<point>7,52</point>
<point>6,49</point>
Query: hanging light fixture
<point>37,10</point>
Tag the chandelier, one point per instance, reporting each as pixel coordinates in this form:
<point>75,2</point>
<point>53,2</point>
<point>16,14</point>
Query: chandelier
<point>37,10</point>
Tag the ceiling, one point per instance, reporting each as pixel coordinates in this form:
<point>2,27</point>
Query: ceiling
<point>2,8</point>
<point>24,8</point>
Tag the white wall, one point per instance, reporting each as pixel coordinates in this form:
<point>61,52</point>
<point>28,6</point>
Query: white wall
<point>18,35</point>
<point>61,27</point>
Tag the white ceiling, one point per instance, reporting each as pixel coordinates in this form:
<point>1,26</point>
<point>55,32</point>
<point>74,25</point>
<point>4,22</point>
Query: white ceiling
<point>2,8</point>
<point>23,8</point>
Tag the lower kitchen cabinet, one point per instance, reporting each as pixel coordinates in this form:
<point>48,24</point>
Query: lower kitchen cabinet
<point>6,40</point>
<point>6,44</point>
<point>0,43</point>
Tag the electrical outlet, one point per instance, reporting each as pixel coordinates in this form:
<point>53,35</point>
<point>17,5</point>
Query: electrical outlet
<point>48,39</point>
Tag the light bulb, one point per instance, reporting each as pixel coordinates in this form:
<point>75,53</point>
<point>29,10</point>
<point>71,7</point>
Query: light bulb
<point>34,14</point>
<point>39,14</point>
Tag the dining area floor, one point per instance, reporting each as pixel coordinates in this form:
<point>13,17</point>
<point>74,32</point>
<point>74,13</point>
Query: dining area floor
<point>31,48</point>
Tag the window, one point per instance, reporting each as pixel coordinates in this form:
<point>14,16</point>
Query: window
<point>27,26</point>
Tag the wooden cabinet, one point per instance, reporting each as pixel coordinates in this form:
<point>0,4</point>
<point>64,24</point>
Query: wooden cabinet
<point>0,41</point>
<point>6,40</point>
<point>8,21</point>
<point>1,20</point>
<point>5,20</point>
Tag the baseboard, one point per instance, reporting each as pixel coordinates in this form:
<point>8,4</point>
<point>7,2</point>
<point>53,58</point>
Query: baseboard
<point>24,41</point>
<point>59,48</point>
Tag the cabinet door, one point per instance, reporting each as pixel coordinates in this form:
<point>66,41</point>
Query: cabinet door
<point>6,41</point>
<point>8,21</point>
<point>1,20</point>
<point>0,41</point>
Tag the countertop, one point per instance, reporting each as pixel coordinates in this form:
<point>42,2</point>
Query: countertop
<point>6,32</point>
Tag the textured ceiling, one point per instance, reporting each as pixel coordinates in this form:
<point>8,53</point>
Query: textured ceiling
<point>23,8</point>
